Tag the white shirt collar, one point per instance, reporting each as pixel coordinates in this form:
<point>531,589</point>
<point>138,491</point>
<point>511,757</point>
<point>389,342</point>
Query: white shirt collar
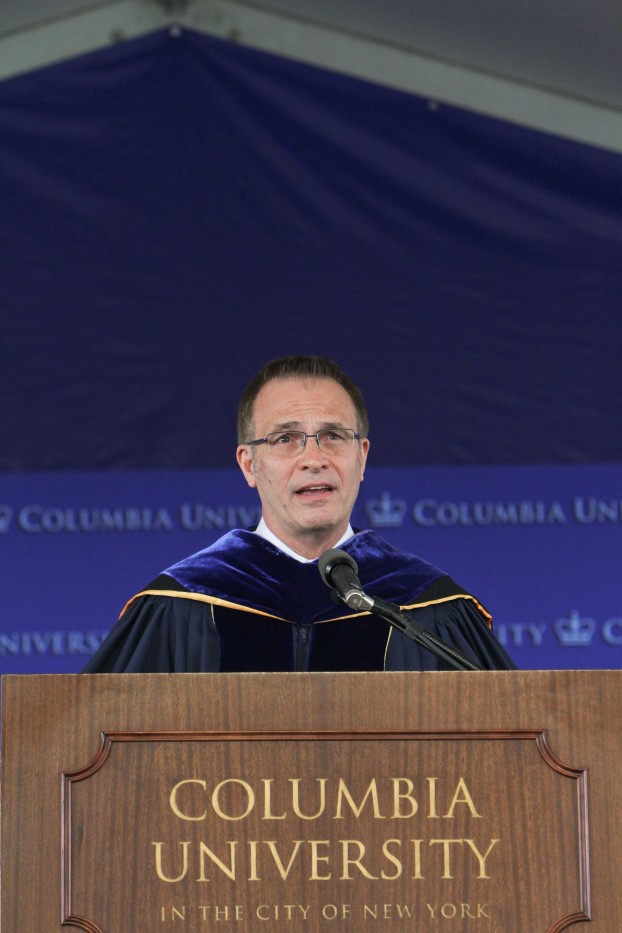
<point>264,532</point>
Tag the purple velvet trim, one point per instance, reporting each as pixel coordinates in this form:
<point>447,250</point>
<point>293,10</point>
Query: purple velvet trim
<point>247,570</point>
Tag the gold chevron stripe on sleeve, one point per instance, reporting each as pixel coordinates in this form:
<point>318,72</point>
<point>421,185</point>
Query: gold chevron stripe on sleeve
<point>447,599</point>
<point>203,598</point>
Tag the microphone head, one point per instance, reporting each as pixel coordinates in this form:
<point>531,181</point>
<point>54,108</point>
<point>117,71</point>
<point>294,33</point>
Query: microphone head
<point>331,559</point>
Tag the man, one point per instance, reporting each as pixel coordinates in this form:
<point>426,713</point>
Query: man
<point>254,600</point>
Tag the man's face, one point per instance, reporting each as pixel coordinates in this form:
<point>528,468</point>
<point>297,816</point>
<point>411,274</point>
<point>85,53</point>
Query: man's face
<point>306,498</point>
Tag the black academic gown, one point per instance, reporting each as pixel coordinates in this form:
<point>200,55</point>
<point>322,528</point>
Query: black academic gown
<point>243,605</point>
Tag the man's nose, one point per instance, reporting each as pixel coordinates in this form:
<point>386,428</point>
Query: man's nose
<point>312,452</point>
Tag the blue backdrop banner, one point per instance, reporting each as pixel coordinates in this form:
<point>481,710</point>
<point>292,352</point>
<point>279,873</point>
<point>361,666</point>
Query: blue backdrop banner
<point>178,209</point>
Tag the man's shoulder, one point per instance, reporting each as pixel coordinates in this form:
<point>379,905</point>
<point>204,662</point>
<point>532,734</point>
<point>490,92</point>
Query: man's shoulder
<point>235,543</point>
<point>372,550</point>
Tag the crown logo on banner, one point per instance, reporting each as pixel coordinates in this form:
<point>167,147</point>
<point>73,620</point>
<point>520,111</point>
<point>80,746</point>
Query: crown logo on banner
<point>386,512</point>
<point>574,631</point>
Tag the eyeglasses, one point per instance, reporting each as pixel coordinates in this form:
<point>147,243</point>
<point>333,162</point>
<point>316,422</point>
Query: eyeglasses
<point>289,443</point>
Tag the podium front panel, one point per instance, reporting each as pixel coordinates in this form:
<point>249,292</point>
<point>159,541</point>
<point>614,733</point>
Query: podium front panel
<point>307,802</point>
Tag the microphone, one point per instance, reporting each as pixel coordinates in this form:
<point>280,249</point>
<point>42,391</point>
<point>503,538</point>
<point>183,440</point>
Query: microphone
<point>339,571</point>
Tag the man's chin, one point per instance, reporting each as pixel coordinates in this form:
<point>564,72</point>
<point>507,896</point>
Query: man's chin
<point>318,520</point>
<point>327,529</point>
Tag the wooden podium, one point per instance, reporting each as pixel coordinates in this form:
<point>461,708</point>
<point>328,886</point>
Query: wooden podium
<point>399,802</point>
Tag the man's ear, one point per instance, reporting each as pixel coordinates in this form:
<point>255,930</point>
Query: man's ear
<point>364,452</point>
<point>245,462</point>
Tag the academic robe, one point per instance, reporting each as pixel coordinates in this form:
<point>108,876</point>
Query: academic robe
<point>243,605</point>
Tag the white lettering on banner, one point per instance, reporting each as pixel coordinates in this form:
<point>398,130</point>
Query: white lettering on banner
<point>571,631</point>
<point>50,519</point>
<point>36,518</point>
<point>430,513</point>
<point>521,633</point>
<point>612,631</point>
<point>587,511</point>
<point>385,511</point>
<point>575,631</point>
<point>20,644</point>
<point>388,511</point>
<point>201,517</point>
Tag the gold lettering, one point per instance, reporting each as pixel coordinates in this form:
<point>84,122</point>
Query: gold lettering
<point>267,812</point>
<point>461,795</point>
<point>284,871</point>
<point>446,843</point>
<point>432,814</point>
<point>206,851</point>
<point>253,876</point>
<point>482,858</point>
<point>228,912</point>
<point>392,858</point>
<point>347,860</point>
<point>234,799</point>
<point>416,875</point>
<point>372,791</point>
<point>316,857</point>
<point>158,862</point>
<point>407,795</point>
<point>216,801</point>
<point>295,782</point>
<point>173,800</point>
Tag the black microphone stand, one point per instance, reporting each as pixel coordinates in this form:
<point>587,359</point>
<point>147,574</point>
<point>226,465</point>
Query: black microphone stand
<point>389,612</point>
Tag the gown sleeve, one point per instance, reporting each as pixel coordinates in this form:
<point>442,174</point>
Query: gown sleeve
<point>159,634</point>
<point>456,622</point>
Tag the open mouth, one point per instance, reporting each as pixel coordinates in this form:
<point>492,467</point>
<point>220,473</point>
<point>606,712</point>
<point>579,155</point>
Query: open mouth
<point>314,490</point>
